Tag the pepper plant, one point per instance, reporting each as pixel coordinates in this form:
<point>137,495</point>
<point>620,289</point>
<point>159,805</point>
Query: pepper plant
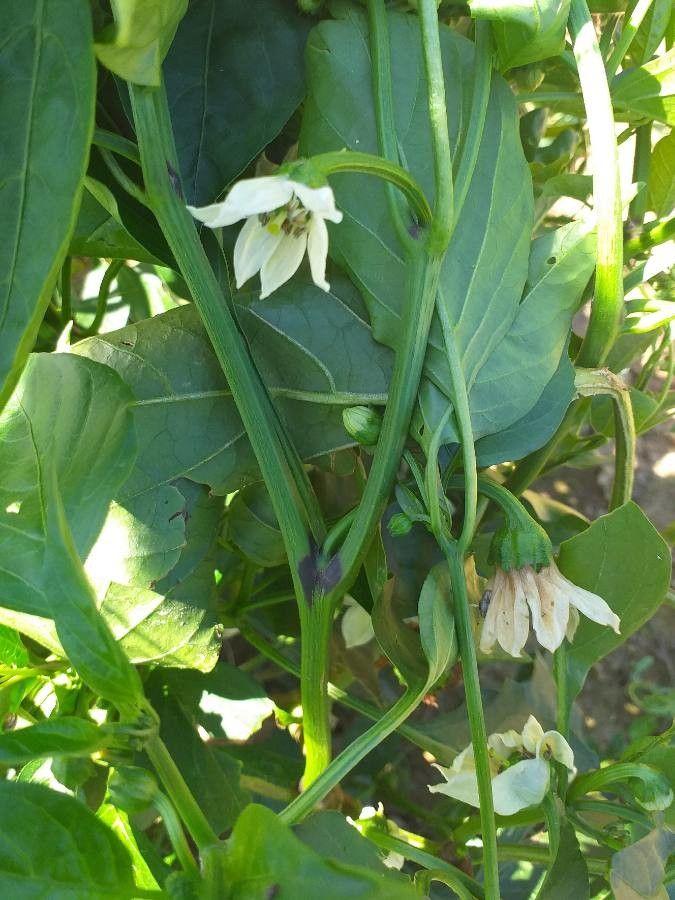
<point>299,303</point>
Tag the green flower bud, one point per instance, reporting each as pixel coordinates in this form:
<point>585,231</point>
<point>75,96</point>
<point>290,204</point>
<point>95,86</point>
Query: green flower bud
<point>399,524</point>
<point>520,545</point>
<point>363,424</point>
<point>132,789</point>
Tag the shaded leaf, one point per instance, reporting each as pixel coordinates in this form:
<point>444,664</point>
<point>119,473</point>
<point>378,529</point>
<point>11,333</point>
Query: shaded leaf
<point>567,878</point>
<point>48,96</point>
<point>661,184</point>
<point>233,77</point>
<point>637,872</point>
<point>524,32</point>
<point>328,834</point>
<point>57,848</point>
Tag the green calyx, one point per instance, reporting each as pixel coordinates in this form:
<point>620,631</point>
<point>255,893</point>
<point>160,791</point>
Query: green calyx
<point>363,424</point>
<point>305,171</point>
<point>519,544</point>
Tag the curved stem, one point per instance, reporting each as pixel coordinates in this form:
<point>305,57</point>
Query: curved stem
<point>66,306</point>
<point>443,216</point>
<point>607,305</point>
<point>424,878</point>
<point>474,708</point>
<point>122,178</point>
<point>103,293</point>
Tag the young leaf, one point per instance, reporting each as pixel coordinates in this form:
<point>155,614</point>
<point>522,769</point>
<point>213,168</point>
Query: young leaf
<point>64,736</point>
<point>524,32</point>
<point>234,76</point>
<point>624,560</point>
<point>48,95</point>
<point>265,859</point>
<point>56,847</point>
<point>647,91</point>
<point>136,44</point>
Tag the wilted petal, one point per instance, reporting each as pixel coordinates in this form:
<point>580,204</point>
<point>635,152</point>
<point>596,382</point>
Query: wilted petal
<point>247,198</point>
<point>532,734</point>
<point>318,200</point>
<point>356,624</point>
<point>520,786</point>
<point>317,251</point>
<point>553,744</point>
<point>254,246</point>
<point>514,624</point>
<point>549,608</point>
<point>488,635</point>
<point>591,605</point>
<point>282,264</point>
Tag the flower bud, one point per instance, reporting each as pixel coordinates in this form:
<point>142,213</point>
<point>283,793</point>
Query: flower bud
<point>514,547</point>
<point>363,424</point>
<point>132,789</point>
<point>399,524</point>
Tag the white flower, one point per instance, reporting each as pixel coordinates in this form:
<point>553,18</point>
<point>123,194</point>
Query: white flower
<point>516,786</point>
<point>552,601</point>
<point>284,218</point>
<point>356,624</point>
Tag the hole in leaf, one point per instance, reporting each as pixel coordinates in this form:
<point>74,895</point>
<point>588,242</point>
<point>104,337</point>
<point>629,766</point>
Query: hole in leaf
<point>551,260</point>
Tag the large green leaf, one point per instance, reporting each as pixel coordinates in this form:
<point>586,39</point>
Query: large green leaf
<point>524,32</point>
<point>136,44</point>
<point>52,846</point>
<point>64,736</point>
<point>234,78</point>
<point>647,92</point>
<point>47,107</point>
<point>265,859</point>
<point>624,560</point>
<point>509,349</point>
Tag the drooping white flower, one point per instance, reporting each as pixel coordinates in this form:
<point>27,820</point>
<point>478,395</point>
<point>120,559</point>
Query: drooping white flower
<point>284,218</point>
<point>517,782</point>
<point>549,598</point>
<point>356,624</point>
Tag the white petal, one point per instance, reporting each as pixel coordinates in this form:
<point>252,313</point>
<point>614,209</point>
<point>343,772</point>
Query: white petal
<point>532,733</point>
<point>520,786</point>
<point>549,607</point>
<point>318,200</point>
<point>503,745</point>
<point>282,264</point>
<point>514,623</point>
<point>317,251</point>
<point>593,607</point>
<point>554,744</point>
<point>247,198</point>
<point>254,246</point>
<point>459,785</point>
<point>488,635</point>
<point>356,626</point>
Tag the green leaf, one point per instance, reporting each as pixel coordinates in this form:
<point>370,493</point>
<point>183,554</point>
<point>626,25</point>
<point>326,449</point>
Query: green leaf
<point>509,349</point>
<point>65,736</point>
<point>661,184</point>
<point>646,92</point>
<point>12,650</point>
<point>137,43</point>
<point>624,560</point>
<point>637,872</point>
<point>652,30</point>
<point>118,822</point>
<point>48,96</point>
<point>328,834</point>
<point>567,878</point>
<point>525,31</point>
<point>266,859</point>
<point>57,848</point>
<point>253,528</point>
<point>234,76</point>
<point>437,624</point>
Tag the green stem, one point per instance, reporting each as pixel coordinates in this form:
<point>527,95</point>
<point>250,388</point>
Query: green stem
<point>122,178</point>
<point>66,307</point>
<point>628,32</point>
<point>103,293</point>
<point>641,164</point>
<point>654,234</point>
<point>316,621</point>
<point>624,449</point>
<point>443,216</point>
<point>606,807</point>
<point>542,855</point>
<point>474,708</point>
<point>431,478</point>
<point>352,755</point>
<point>176,834</point>
<point>563,705</point>
<point>607,306</point>
<point>108,140</point>
<point>181,797</point>
<point>380,51</point>
<point>423,858</point>
<point>424,878</point>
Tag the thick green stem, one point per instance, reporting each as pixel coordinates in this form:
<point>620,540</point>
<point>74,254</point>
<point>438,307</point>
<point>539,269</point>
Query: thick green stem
<point>654,234</point>
<point>474,708</point>
<point>607,305</point>
<point>194,819</point>
<point>352,755</point>
<point>316,621</point>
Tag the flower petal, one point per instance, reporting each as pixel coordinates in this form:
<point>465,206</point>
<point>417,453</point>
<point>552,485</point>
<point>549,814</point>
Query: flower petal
<point>532,733</point>
<point>503,744</point>
<point>320,201</point>
<point>488,634</point>
<point>520,786</point>
<point>593,607</point>
<point>356,625</point>
<point>515,623</point>
<point>549,607</point>
<point>459,785</point>
<point>317,251</point>
<point>552,743</point>
<point>254,246</point>
<point>248,197</point>
<point>282,264</point>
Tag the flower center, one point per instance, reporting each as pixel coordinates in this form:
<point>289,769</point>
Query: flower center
<point>292,219</point>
